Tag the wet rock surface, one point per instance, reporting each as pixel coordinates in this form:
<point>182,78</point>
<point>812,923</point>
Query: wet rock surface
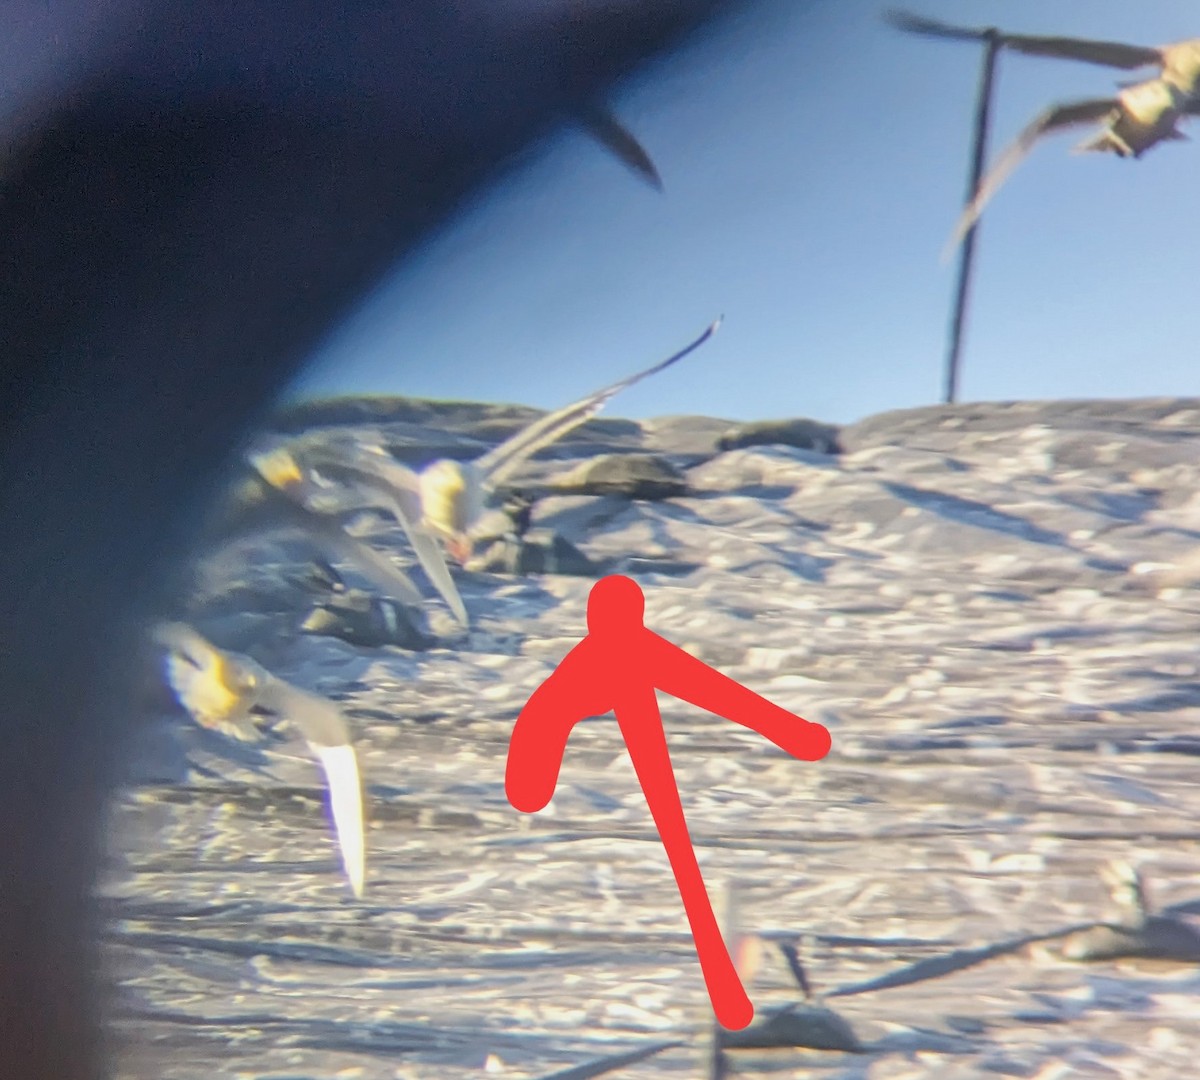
<point>971,598</point>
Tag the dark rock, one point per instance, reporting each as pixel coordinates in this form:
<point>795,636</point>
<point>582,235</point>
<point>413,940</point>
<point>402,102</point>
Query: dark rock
<point>361,618</point>
<point>629,476</point>
<point>539,551</point>
<point>811,1026</point>
<point>799,432</point>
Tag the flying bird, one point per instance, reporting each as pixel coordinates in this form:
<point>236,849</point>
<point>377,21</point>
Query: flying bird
<point>352,477</point>
<point>1137,118</point>
<point>226,692</point>
<point>446,499</point>
<point>274,494</point>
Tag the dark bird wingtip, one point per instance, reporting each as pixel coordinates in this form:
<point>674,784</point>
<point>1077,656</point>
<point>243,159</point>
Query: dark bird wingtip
<point>906,20</point>
<point>919,24</point>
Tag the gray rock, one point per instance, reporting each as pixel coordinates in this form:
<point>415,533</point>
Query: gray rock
<point>629,476</point>
<point>539,551</point>
<point>812,1026</point>
<point>799,432</point>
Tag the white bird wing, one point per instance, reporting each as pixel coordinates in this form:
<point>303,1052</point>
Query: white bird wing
<point>375,566</point>
<point>1051,120</point>
<point>499,463</point>
<point>330,535</point>
<point>384,482</point>
<point>321,724</point>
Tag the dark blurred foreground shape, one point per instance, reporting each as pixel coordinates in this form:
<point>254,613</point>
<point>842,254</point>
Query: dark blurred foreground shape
<point>190,195</point>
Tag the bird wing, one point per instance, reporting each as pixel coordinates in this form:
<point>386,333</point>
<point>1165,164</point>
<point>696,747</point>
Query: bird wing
<point>918,24</point>
<point>1053,119</point>
<point>375,566</point>
<point>382,481</point>
<point>500,463</point>
<point>607,130</point>
<point>1107,53</point>
<point>792,955</point>
<point>289,507</point>
<point>207,682</point>
<point>321,724</point>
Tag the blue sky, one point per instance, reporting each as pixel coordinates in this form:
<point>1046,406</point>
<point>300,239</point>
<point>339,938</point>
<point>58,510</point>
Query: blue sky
<point>814,160</point>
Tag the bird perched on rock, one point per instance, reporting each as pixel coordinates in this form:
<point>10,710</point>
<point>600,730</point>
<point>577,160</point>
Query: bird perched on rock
<point>1137,118</point>
<point>228,692</point>
<point>445,500</point>
<point>1135,929</point>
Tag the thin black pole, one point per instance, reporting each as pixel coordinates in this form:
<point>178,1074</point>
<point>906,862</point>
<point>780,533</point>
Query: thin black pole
<point>983,109</point>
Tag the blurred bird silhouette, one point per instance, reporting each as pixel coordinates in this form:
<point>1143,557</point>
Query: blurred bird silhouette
<point>229,693</point>
<point>1140,116</point>
<point>273,493</point>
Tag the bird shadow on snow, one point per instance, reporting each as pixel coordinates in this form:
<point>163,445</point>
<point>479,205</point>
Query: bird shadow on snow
<point>981,515</point>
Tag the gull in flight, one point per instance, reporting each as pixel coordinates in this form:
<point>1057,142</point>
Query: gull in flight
<point>1140,116</point>
<point>275,495</point>
<point>445,500</point>
<point>224,692</point>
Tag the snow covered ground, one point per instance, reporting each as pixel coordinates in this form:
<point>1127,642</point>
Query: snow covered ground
<point>975,599</point>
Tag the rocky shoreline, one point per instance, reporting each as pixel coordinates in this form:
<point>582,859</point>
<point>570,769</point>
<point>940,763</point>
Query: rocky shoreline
<point>988,605</point>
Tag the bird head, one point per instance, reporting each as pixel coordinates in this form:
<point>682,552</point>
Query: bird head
<point>216,689</point>
<point>278,468</point>
<point>451,503</point>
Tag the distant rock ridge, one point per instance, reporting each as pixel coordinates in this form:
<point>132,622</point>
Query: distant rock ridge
<point>418,429</point>
<point>1168,416</point>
